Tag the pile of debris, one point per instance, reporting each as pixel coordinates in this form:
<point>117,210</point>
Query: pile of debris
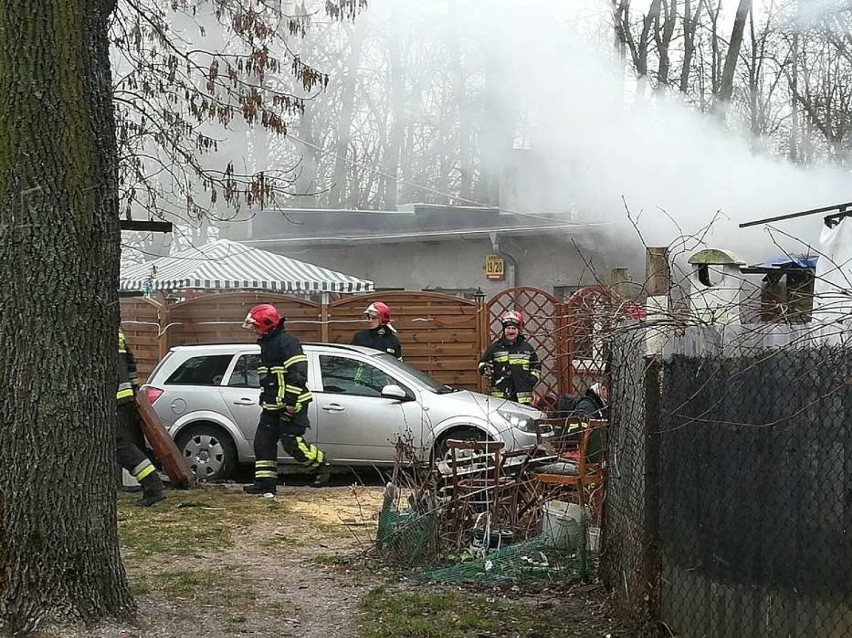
<point>483,515</point>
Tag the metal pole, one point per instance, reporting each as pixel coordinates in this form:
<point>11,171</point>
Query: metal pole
<point>840,207</point>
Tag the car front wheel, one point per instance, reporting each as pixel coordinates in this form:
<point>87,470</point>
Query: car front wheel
<point>442,450</point>
<point>208,451</point>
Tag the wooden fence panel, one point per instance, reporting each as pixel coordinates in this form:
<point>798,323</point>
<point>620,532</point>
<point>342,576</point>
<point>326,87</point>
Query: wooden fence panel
<point>218,318</point>
<point>140,321</point>
<point>439,333</point>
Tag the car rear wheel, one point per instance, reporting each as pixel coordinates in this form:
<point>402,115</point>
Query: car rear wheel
<point>208,450</point>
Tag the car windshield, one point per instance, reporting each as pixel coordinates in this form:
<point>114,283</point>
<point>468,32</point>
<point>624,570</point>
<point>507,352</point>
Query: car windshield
<point>421,376</point>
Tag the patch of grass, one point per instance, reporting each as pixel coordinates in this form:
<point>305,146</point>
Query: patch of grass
<point>386,613</point>
<point>277,541</point>
<point>332,530</point>
<point>213,586</point>
<point>237,619</point>
<point>189,583</point>
<point>330,559</point>
<point>188,522</point>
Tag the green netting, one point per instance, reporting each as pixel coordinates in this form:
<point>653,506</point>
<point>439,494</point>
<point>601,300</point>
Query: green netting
<point>485,554</point>
<point>533,559</point>
<point>405,536</point>
<point>561,553</point>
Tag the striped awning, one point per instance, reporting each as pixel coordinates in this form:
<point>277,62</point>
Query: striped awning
<point>224,265</point>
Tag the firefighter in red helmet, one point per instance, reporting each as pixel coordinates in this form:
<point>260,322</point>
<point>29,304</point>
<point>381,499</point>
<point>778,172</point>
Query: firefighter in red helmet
<point>380,334</point>
<point>284,399</point>
<point>511,363</point>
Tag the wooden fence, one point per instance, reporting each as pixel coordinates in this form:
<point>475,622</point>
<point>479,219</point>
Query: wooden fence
<point>441,335</point>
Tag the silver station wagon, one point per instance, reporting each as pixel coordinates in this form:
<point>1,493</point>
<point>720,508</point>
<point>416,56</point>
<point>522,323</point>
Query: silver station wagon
<point>365,402</point>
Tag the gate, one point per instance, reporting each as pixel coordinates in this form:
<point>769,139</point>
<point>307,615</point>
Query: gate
<point>568,336</point>
<point>588,315</point>
<point>545,328</point>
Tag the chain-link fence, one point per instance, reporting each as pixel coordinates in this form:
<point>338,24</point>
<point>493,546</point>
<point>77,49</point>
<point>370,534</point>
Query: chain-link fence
<point>729,501</point>
<point>629,531</point>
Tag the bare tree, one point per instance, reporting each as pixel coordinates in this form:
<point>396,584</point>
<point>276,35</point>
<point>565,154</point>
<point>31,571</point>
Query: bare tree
<point>691,19</point>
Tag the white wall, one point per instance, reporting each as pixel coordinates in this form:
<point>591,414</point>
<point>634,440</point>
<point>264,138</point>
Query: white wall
<point>460,264</point>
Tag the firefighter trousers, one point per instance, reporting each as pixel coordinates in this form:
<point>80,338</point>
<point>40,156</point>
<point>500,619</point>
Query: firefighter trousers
<point>130,443</point>
<point>278,426</point>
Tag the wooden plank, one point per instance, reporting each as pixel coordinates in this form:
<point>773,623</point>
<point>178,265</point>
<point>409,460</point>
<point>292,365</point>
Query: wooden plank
<point>164,447</point>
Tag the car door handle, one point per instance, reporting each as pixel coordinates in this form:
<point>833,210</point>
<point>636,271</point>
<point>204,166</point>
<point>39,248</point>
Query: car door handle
<point>244,401</point>
<point>333,407</point>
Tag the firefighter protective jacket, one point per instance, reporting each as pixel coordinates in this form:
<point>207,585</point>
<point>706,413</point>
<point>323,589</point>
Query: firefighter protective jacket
<point>283,372</point>
<point>515,369</point>
<point>380,338</point>
<point>127,381</point>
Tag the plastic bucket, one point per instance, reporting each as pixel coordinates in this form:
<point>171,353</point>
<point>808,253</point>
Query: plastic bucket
<point>562,525</point>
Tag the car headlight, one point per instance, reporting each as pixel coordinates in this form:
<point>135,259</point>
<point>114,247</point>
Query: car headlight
<point>516,420</point>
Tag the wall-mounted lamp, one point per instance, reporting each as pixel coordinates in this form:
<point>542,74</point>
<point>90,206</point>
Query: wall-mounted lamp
<point>478,295</point>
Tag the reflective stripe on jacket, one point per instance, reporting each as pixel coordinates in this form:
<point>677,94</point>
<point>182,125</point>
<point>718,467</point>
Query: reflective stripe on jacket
<point>515,369</point>
<point>283,371</point>
<point>127,381</point>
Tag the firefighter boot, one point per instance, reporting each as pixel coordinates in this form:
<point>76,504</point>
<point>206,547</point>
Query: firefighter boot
<point>261,486</point>
<point>152,490</point>
<point>322,475</point>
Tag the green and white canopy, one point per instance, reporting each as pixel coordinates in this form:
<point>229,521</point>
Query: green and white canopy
<point>228,265</point>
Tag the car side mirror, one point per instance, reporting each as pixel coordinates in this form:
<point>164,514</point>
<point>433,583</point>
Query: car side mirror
<point>393,391</point>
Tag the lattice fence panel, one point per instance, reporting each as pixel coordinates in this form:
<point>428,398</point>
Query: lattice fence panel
<point>544,327</point>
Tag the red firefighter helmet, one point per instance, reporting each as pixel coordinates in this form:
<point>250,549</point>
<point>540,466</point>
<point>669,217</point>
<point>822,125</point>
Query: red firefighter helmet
<point>264,317</point>
<point>380,310</point>
<point>512,318</point>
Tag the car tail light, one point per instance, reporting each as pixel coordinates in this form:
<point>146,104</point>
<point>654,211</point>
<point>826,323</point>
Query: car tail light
<point>151,393</point>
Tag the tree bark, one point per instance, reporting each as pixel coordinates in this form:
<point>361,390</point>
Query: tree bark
<point>726,86</point>
<point>396,137</point>
<point>59,254</point>
<point>460,98</point>
<point>663,37</point>
<point>690,24</point>
<point>793,153</point>
<point>340,192</point>
<point>305,195</point>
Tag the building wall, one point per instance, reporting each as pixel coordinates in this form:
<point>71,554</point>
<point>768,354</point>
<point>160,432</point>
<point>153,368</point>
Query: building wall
<point>542,262</point>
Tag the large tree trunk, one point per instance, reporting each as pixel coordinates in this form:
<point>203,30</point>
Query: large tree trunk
<point>59,554</point>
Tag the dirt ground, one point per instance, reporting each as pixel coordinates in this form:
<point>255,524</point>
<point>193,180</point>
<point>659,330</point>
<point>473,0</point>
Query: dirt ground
<point>215,562</point>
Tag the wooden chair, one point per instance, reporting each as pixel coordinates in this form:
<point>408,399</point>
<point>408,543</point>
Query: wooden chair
<point>584,474</point>
<point>483,488</point>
